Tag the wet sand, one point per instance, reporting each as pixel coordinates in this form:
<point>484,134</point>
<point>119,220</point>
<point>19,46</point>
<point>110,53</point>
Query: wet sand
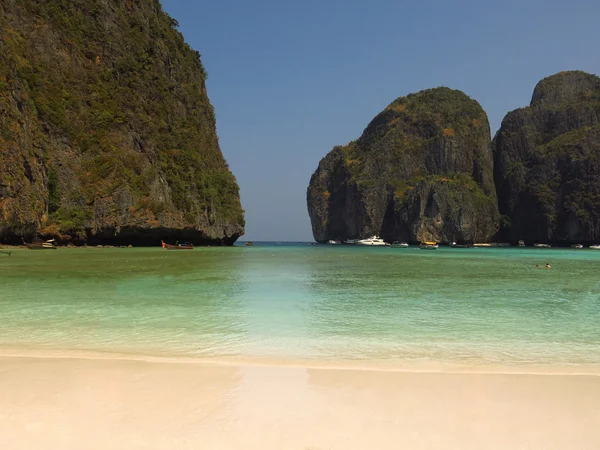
<point>71,403</point>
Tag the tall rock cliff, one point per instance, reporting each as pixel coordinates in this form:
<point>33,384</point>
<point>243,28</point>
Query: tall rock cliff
<point>547,163</point>
<point>106,132</point>
<point>422,170</point>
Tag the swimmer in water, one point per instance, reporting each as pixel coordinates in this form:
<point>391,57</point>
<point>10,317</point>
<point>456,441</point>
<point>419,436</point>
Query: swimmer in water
<point>547,265</point>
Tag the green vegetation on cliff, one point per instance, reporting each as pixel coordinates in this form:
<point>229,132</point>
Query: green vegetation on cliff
<point>421,170</point>
<point>105,126</point>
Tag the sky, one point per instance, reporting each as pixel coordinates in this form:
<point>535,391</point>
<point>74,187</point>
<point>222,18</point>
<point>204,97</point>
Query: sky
<point>289,80</point>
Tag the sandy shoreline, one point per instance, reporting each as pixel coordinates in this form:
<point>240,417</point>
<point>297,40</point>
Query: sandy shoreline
<point>387,365</point>
<point>106,403</point>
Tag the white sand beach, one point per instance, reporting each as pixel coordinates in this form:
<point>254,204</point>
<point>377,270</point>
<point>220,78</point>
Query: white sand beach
<point>70,403</point>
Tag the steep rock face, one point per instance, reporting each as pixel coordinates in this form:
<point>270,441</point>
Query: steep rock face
<point>106,132</point>
<point>547,163</point>
<point>422,170</point>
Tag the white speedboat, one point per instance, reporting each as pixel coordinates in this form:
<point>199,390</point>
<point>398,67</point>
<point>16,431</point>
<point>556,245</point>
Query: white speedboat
<point>375,240</point>
<point>577,246</point>
<point>397,244</point>
<point>332,242</point>
<point>542,245</point>
<point>429,245</point>
<point>350,241</point>
<point>595,247</point>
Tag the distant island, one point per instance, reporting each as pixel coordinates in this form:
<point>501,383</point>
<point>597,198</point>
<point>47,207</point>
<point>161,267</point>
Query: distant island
<point>107,135</point>
<point>425,169</point>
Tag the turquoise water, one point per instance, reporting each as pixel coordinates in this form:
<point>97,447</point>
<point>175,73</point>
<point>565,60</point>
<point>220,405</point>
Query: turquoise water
<point>318,303</point>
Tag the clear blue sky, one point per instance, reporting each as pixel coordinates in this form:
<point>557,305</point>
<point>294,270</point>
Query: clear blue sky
<point>289,80</point>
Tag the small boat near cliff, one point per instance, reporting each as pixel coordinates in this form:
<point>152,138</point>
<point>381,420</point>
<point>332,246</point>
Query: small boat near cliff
<point>429,245</point>
<point>542,245</point>
<point>595,247</point>
<point>577,246</point>
<point>47,245</point>
<point>332,242</point>
<point>397,244</point>
<point>177,246</point>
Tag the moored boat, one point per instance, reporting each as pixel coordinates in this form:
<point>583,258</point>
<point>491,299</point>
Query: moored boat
<point>177,246</point>
<point>542,245</point>
<point>455,245</point>
<point>47,245</point>
<point>374,240</point>
<point>577,246</point>
<point>397,244</point>
<point>595,247</point>
<point>429,245</point>
<point>332,242</point>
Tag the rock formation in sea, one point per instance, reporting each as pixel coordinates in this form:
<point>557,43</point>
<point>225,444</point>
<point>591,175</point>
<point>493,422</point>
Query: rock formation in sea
<point>422,170</point>
<point>547,163</point>
<point>107,135</point>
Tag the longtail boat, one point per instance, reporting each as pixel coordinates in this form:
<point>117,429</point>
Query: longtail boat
<point>177,246</point>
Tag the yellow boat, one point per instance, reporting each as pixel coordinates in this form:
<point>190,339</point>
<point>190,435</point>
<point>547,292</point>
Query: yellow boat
<point>429,245</point>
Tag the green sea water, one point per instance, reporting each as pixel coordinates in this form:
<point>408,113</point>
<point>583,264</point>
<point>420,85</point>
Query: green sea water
<point>299,303</point>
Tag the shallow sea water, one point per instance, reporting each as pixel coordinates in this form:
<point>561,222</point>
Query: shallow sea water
<point>322,304</point>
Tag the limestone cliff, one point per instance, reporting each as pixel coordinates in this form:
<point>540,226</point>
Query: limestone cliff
<point>422,170</point>
<point>547,163</point>
<point>106,131</point>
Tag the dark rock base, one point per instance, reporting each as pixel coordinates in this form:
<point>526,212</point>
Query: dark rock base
<point>131,236</point>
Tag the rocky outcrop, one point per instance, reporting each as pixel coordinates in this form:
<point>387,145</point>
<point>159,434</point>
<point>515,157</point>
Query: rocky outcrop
<point>547,163</point>
<point>107,135</point>
<point>422,170</point>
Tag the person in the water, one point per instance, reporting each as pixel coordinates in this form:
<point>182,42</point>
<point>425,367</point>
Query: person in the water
<point>547,265</point>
